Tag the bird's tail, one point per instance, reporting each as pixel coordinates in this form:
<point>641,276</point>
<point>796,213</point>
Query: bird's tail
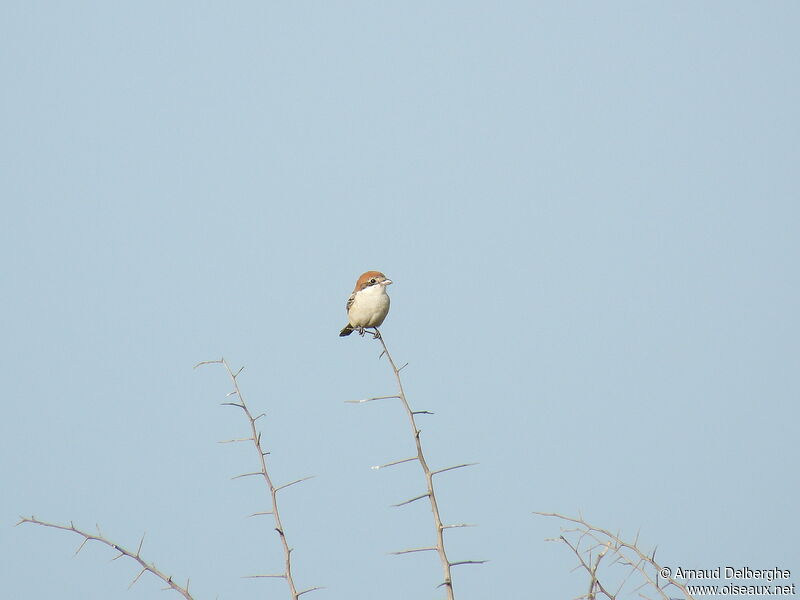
<point>346,331</point>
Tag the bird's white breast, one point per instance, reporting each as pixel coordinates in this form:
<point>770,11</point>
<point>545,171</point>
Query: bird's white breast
<point>370,307</point>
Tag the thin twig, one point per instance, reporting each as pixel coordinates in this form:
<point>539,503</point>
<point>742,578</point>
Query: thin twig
<point>147,567</point>
<point>255,438</point>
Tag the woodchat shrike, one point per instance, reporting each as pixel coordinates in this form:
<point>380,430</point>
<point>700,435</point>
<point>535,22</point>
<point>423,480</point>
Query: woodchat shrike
<point>368,305</point>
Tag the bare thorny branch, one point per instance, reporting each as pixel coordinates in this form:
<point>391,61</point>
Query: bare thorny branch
<point>146,567</point>
<point>150,567</point>
<point>430,493</point>
<point>255,438</point>
<point>592,544</point>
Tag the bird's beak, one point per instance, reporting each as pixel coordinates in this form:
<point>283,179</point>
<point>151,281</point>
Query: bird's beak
<point>386,282</point>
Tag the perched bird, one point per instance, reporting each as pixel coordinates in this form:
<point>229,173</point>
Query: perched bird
<point>368,305</point>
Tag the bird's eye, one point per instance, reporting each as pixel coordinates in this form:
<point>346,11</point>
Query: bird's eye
<point>372,281</point>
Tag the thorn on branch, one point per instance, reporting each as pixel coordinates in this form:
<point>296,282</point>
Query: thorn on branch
<point>425,495</point>
<point>370,399</point>
<point>285,485</point>
<point>397,462</point>
<point>468,562</point>
<point>410,550</point>
<point>310,590</point>
<point>83,543</point>
<point>453,468</point>
<point>209,362</point>
<point>247,475</point>
<point>135,579</point>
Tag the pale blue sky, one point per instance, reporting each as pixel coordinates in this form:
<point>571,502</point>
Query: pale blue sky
<point>590,212</point>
